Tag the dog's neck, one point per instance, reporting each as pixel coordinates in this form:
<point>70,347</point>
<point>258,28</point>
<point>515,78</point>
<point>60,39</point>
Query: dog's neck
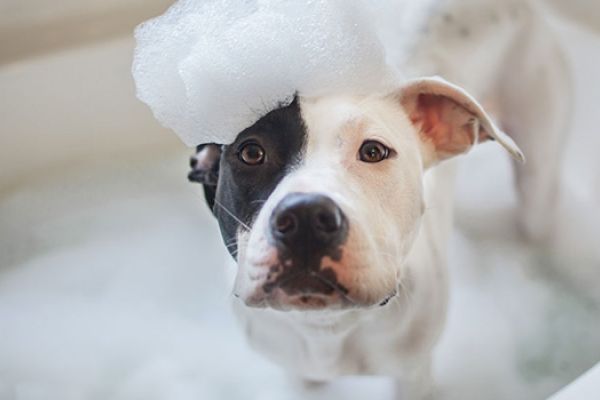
<point>325,323</point>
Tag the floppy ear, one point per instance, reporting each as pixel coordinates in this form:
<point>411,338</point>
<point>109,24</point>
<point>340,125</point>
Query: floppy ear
<point>205,169</point>
<point>449,120</point>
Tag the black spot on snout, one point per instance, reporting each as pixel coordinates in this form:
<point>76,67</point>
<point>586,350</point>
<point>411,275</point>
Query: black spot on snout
<point>305,228</point>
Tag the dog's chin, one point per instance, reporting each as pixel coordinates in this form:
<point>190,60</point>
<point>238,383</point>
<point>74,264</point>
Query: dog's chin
<point>278,300</point>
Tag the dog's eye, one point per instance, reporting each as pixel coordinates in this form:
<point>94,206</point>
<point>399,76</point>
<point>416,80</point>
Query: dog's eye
<point>251,154</point>
<point>372,151</point>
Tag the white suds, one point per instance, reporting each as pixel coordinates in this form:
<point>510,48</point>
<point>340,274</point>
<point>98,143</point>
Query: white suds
<point>209,69</point>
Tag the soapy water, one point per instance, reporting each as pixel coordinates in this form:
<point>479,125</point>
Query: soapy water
<point>123,301</point>
<point>209,69</point>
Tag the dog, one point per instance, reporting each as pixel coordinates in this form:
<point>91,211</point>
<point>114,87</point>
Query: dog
<point>338,228</point>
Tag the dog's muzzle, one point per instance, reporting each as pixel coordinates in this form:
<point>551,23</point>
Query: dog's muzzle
<point>305,228</point>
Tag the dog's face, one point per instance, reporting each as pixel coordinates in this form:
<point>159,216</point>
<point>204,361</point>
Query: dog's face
<point>320,201</point>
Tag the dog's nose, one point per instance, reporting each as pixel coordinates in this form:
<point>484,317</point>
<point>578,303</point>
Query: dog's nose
<point>308,220</point>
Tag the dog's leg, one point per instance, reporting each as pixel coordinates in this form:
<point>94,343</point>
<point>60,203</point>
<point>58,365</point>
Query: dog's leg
<point>535,103</point>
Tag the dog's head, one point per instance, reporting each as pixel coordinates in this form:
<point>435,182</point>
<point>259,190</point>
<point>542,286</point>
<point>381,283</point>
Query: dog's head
<point>320,201</point>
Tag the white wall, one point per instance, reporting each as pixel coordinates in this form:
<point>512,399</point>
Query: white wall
<point>43,26</point>
<point>74,103</point>
<point>584,11</point>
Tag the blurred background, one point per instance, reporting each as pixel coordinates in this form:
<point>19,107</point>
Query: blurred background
<point>111,283</point>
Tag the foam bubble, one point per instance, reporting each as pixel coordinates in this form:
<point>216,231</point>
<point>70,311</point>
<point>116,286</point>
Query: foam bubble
<point>209,69</point>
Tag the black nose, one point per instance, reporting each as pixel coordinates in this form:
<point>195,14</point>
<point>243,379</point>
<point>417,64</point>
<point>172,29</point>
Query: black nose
<point>309,221</point>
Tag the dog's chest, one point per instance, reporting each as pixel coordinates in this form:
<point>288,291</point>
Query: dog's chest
<point>347,347</point>
<point>311,354</point>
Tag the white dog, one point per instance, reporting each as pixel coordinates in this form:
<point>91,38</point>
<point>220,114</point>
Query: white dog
<point>340,226</point>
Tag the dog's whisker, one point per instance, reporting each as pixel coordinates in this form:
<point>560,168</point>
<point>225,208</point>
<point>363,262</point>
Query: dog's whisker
<point>403,290</point>
<point>334,286</point>
<point>259,201</point>
<point>366,250</point>
<point>231,240</point>
<point>239,221</point>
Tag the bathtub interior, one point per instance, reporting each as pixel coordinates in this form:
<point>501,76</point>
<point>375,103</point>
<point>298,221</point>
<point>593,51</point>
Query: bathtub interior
<point>111,281</point>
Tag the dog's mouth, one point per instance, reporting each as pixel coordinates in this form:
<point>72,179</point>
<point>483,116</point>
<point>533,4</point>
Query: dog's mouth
<point>304,283</point>
<point>306,291</point>
<point>303,290</point>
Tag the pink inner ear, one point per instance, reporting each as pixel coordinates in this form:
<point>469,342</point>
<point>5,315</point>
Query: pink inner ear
<point>444,124</point>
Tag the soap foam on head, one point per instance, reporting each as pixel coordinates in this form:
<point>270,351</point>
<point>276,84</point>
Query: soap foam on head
<point>209,69</point>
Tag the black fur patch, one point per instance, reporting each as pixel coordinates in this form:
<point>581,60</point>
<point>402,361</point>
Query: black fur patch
<point>242,189</point>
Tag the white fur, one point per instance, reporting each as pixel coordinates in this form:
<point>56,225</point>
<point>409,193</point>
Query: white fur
<point>399,241</point>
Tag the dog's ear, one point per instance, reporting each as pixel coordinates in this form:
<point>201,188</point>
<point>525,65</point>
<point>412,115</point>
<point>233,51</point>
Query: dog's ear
<point>205,169</point>
<point>449,120</point>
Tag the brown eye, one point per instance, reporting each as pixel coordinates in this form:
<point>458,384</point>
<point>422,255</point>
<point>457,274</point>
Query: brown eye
<point>252,154</point>
<point>372,151</point>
